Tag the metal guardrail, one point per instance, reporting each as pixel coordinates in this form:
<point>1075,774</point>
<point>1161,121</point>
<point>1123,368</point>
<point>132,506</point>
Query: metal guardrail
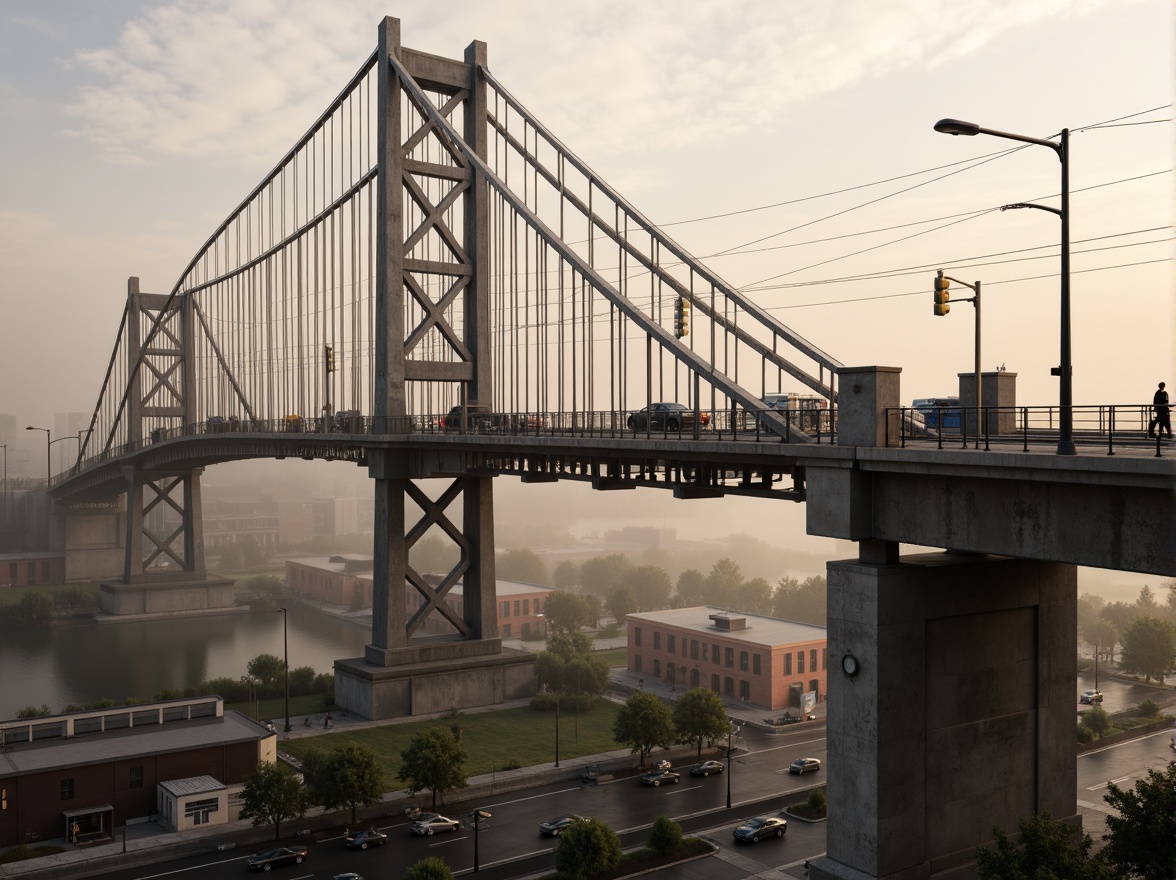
<point>1115,427</point>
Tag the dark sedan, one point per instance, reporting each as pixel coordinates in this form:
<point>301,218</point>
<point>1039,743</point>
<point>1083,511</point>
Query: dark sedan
<point>661,777</point>
<point>364,839</point>
<point>272,858</point>
<point>804,765</point>
<point>665,417</point>
<point>557,826</point>
<point>754,829</point>
<point>706,768</point>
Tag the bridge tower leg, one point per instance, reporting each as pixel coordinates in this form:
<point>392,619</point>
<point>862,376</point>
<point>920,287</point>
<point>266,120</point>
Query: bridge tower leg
<point>959,714</point>
<point>406,670</point>
<point>163,569</point>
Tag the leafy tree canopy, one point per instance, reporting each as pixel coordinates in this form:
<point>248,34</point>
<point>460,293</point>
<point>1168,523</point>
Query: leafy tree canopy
<point>350,776</point>
<point>602,573</point>
<point>266,669</point>
<point>432,868</point>
<point>434,760</point>
<point>1047,849</point>
<point>699,714</point>
<point>273,794</point>
<point>643,723</point>
<point>587,848</point>
<point>522,564</point>
<point>691,588</point>
<point>650,585</point>
<point>1142,838</point>
<point>621,602</point>
<point>1149,648</point>
<point>565,611</point>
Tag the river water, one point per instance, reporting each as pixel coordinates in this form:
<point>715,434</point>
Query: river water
<point>86,661</point>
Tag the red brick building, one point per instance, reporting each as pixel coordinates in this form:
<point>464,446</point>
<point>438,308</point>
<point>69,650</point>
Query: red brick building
<point>761,660</point>
<point>86,773</point>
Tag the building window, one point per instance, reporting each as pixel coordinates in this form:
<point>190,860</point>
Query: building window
<point>506,630</point>
<point>657,667</point>
<point>506,609</point>
<point>813,660</point>
<point>536,606</point>
<point>729,685</point>
<point>743,661</point>
<point>637,663</point>
<point>755,664</point>
<point>670,644</point>
<point>526,607</point>
<point>744,690</point>
<point>683,646</point>
<point>656,640</point>
<point>45,570</point>
<point>67,789</point>
<point>715,654</point>
<point>788,664</point>
<point>136,777</point>
<point>693,649</point>
<point>13,568</point>
<point>704,652</point>
<point>800,662</point>
<point>637,636</point>
<point>516,614</point>
<point>715,683</point>
<point>729,658</point>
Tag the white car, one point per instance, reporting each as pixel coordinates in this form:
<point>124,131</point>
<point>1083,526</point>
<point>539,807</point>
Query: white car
<point>1090,697</point>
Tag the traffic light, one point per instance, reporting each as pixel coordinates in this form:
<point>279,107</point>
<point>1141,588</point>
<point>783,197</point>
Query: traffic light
<point>329,357</point>
<point>681,317</point>
<point>942,297</point>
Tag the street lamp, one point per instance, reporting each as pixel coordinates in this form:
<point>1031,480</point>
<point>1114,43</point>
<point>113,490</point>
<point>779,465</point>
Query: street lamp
<point>478,814</point>
<point>557,728</point>
<point>48,443</point>
<point>286,663</point>
<point>731,731</point>
<point>4,448</point>
<point>1064,371</point>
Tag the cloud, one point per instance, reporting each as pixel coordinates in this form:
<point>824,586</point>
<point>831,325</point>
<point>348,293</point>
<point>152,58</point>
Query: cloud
<point>240,80</point>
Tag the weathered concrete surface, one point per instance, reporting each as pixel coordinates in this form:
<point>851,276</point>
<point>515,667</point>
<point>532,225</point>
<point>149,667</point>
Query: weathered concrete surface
<point>864,396</point>
<point>961,716</point>
<point>167,597</point>
<point>1100,511</point>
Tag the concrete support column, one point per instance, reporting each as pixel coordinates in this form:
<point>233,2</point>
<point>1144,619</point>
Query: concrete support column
<point>998,398</point>
<point>959,714</point>
<point>480,593</point>
<point>865,394</point>
<point>390,559</point>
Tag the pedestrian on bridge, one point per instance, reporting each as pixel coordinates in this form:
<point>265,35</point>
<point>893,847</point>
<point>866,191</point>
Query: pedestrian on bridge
<point>1163,419</point>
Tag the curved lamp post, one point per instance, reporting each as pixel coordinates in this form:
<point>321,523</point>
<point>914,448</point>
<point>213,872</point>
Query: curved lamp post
<point>286,663</point>
<point>1064,371</point>
<point>48,443</point>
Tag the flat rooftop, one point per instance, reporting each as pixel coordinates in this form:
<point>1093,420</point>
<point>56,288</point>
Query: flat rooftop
<point>760,629</point>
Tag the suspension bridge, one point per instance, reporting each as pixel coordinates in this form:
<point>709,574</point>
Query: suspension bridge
<point>431,285</point>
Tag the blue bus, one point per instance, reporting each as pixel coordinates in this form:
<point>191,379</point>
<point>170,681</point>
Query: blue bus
<point>933,408</point>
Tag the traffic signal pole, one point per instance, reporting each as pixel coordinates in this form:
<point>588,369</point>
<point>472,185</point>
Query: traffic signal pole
<point>942,297</point>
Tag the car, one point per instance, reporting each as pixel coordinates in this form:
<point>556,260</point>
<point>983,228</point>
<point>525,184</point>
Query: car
<point>364,839</point>
<point>663,764</point>
<point>431,823</point>
<point>753,830</point>
<point>558,825</point>
<point>272,858</point>
<point>665,417</point>
<point>706,768</point>
<point>659,777</point>
<point>804,765</point>
<point>1091,697</point>
<point>348,875</point>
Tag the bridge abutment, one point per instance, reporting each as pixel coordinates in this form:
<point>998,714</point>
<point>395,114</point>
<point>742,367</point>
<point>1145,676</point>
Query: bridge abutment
<point>959,714</point>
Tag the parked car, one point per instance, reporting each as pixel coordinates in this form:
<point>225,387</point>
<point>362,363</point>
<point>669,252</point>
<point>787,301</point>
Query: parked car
<point>754,829</point>
<point>663,764</point>
<point>1090,697</point>
<point>556,826</point>
<point>364,839</point>
<point>591,773</point>
<point>706,768</point>
<point>347,875</point>
<point>665,417</point>
<point>661,777</point>
<point>272,858</point>
<point>431,823</point>
<point>804,765</point>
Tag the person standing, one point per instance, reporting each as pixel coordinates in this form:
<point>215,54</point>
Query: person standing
<point>1163,417</point>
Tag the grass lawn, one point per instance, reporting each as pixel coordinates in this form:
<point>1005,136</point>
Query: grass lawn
<point>493,739</point>
<point>614,656</point>
<point>275,709</point>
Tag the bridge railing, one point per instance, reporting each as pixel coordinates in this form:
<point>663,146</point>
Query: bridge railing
<point>1115,427</point>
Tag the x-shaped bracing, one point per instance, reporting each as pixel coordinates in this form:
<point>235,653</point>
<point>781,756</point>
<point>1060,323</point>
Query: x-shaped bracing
<point>433,514</point>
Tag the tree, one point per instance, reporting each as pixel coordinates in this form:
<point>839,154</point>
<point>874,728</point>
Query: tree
<point>34,712</point>
<point>1142,838</point>
<point>524,565</point>
<point>1097,720</point>
<point>691,588</point>
<point>569,644</point>
<point>267,670</point>
<point>602,573</point>
<point>665,836</point>
<point>433,760</point>
<point>1100,633</point>
<point>650,585</point>
<point>803,602</point>
<point>700,715</point>
<point>434,553</point>
<point>754,597</point>
<point>1121,615</point>
<point>1146,604</point>
<point>642,723</point>
<point>585,674</point>
<point>594,608</point>
<point>549,667</point>
<point>1047,849</point>
<point>565,611</point>
<point>587,848</point>
<point>272,795</point>
<point>350,776</point>
<point>565,575</point>
<point>621,601</point>
<point>1149,648</point>
<point>432,868</point>
<point>723,581</point>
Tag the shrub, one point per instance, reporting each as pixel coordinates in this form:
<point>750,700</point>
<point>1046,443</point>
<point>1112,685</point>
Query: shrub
<point>817,802</point>
<point>666,836</point>
<point>611,631</point>
<point>1097,719</point>
<point>1085,734</point>
<point>513,764</point>
<point>587,848</point>
<point>432,868</point>
<point>1149,709</point>
<point>34,712</point>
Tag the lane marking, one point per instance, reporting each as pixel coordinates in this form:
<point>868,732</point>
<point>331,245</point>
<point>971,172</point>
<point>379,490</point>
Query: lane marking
<point>447,842</point>
<point>534,797</point>
<point>680,789</point>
